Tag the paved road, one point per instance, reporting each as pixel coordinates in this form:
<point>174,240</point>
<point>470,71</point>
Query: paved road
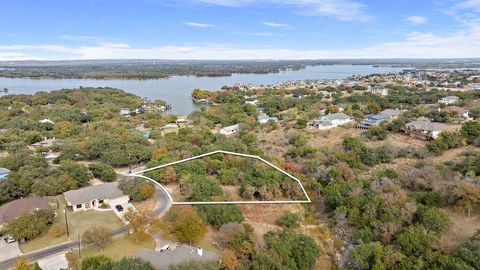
<point>40,254</point>
<point>163,204</point>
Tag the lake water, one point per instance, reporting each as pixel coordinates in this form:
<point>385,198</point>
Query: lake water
<point>176,90</point>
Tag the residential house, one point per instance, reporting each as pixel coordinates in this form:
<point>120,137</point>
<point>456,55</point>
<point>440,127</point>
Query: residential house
<point>448,100</point>
<point>330,121</point>
<point>46,121</point>
<point>372,120</point>
<point>4,172</point>
<point>125,112</point>
<point>393,114</point>
<point>170,125</point>
<point>230,129</point>
<point>16,208</point>
<point>298,95</point>
<point>378,90</point>
<point>252,102</point>
<point>458,110</point>
<point>262,119</point>
<point>425,130</point>
<point>93,196</point>
<point>474,86</point>
<point>45,143</point>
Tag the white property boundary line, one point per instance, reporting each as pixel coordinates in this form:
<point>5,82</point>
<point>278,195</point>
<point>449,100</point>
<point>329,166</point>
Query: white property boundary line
<point>140,174</point>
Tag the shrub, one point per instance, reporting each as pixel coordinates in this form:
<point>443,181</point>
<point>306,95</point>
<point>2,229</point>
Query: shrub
<point>432,218</point>
<point>289,220</point>
<point>376,133</point>
<point>137,189</point>
<point>103,172</point>
<point>217,215</point>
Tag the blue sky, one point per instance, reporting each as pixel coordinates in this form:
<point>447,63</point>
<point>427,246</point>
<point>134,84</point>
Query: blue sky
<point>238,29</point>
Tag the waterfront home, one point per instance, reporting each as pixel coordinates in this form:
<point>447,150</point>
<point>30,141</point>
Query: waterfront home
<point>252,102</point>
<point>125,112</point>
<point>230,129</point>
<point>474,86</point>
<point>14,209</point>
<point>330,121</point>
<point>425,130</point>
<point>4,173</point>
<point>93,197</point>
<point>378,90</point>
<point>181,120</point>
<point>448,100</point>
<point>262,119</point>
<point>298,95</point>
<point>45,143</point>
<point>46,121</point>
<point>393,114</point>
<point>372,120</point>
<point>457,110</point>
<point>170,125</point>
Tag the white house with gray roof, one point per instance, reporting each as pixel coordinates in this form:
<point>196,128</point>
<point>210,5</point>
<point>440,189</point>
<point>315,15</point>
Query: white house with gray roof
<point>4,173</point>
<point>93,196</point>
<point>330,121</point>
<point>425,130</point>
<point>230,129</point>
<point>449,100</point>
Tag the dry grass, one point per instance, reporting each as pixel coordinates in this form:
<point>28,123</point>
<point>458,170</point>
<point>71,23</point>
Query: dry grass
<point>462,229</point>
<point>147,204</point>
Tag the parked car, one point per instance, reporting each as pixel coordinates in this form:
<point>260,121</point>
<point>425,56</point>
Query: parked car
<point>164,248</point>
<point>119,208</point>
<point>9,239</point>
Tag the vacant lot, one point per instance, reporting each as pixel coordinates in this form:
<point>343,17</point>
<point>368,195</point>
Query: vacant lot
<point>462,229</point>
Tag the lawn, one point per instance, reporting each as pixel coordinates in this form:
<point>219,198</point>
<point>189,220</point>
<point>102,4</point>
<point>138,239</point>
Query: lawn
<point>121,247</point>
<point>77,222</point>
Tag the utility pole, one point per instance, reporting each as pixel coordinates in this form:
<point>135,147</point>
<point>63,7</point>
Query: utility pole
<point>66,222</point>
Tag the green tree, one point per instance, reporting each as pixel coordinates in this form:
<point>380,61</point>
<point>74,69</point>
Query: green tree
<point>132,263</point>
<point>97,263</point>
<point>415,240</point>
<point>78,172</point>
<point>138,189</point>
<point>103,172</point>
<point>195,265</point>
<point>471,131</point>
<point>30,225</point>
<point>289,220</point>
<point>432,218</point>
<point>470,251</point>
<point>266,261</point>
<point>295,251</point>
<point>185,224</point>
<point>217,215</point>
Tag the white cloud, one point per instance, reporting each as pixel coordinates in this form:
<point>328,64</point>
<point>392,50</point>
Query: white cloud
<point>469,4</point>
<point>415,20</point>
<point>75,37</point>
<point>199,25</point>
<point>462,44</point>
<point>226,3</point>
<point>343,10</point>
<point>276,25</point>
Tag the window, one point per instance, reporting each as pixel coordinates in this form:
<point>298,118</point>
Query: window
<point>100,201</point>
<point>79,206</point>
